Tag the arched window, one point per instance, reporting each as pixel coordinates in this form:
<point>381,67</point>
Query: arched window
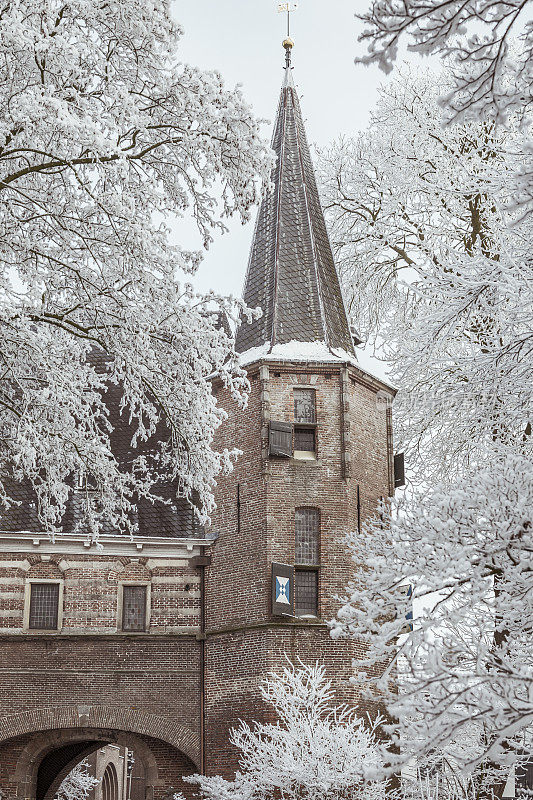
<point>110,783</point>
<point>307,560</point>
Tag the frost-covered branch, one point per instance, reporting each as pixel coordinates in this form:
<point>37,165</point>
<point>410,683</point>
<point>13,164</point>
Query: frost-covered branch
<point>455,325</point>
<point>314,750</point>
<point>78,784</point>
<point>490,44</point>
<point>105,136</point>
<point>434,273</point>
<point>467,667</point>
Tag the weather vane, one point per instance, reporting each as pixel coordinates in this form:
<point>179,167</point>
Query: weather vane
<point>287,43</point>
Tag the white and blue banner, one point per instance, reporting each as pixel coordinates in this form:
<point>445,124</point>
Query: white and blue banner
<point>282,589</point>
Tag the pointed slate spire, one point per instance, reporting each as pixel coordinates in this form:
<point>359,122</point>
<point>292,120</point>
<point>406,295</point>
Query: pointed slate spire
<point>291,272</point>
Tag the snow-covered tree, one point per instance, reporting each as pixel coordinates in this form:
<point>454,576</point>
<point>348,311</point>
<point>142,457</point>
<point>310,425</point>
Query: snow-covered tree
<point>104,136</point>
<point>435,275</point>
<point>488,45</point>
<point>467,666</point>
<point>444,285</point>
<point>78,784</point>
<point>315,750</point>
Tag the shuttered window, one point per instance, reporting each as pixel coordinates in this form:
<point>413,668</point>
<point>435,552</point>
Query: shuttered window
<point>44,606</point>
<point>306,592</point>
<point>280,439</point>
<point>307,559</point>
<point>133,608</point>
<point>305,440</point>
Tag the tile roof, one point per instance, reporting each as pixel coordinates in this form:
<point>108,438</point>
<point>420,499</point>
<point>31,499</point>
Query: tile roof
<point>291,272</point>
<point>153,519</point>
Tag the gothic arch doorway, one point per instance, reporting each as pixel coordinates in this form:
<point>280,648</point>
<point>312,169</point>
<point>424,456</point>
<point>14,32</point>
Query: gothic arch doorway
<point>110,783</point>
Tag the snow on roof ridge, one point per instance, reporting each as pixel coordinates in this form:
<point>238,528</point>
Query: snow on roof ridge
<point>315,351</point>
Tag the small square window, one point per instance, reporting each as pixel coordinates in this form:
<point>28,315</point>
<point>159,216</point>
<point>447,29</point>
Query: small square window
<point>44,606</point>
<point>133,608</point>
<point>304,406</point>
<point>306,592</point>
<point>305,439</point>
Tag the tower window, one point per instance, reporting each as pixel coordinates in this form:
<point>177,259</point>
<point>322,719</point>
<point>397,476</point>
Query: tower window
<point>304,440</point>
<point>307,559</point>
<point>306,592</point>
<point>44,606</point>
<point>307,524</point>
<point>304,423</point>
<point>304,406</point>
<point>134,607</point>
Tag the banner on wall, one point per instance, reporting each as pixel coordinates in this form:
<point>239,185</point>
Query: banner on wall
<point>282,589</point>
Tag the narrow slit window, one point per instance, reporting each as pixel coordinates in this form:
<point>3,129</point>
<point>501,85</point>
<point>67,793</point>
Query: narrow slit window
<point>44,606</point>
<point>133,608</point>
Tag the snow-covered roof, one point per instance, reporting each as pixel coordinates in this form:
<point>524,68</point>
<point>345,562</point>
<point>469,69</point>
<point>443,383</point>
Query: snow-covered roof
<point>295,351</point>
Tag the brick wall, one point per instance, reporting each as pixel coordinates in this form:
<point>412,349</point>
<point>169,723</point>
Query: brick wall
<point>91,672</point>
<point>161,765</point>
<point>91,590</point>
<point>353,449</point>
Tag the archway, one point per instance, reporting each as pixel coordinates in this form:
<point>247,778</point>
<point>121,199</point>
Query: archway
<point>49,757</point>
<point>57,764</point>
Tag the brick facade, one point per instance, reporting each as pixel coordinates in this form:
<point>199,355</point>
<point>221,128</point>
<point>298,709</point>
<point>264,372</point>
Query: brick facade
<point>89,674</point>
<point>244,639</point>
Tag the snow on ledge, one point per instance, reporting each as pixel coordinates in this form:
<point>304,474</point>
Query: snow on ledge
<point>315,351</point>
<point>295,351</point>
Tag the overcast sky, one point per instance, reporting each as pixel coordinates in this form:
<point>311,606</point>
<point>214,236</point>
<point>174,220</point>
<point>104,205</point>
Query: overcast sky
<point>242,39</point>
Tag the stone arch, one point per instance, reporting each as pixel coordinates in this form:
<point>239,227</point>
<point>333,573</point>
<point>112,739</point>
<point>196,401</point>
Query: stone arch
<point>108,718</point>
<point>81,742</point>
<point>69,756</point>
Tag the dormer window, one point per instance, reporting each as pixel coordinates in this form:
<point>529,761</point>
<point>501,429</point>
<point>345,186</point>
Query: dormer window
<point>304,424</point>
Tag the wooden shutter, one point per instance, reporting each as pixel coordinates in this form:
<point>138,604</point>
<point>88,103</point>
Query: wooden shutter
<point>399,471</point>
<point>282,590</point>
<point>280,439</point>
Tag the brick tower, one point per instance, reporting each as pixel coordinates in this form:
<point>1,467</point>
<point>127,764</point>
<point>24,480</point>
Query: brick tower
<point>317,455</point>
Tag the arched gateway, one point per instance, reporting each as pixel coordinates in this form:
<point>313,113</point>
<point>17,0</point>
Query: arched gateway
<point>33,766</point>
<point>165,638</point>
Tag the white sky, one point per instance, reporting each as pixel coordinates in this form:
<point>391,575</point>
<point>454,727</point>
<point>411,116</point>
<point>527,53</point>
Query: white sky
<point>242,39</point>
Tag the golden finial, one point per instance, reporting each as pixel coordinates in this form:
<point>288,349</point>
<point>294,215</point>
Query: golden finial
<point>288,44</point>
